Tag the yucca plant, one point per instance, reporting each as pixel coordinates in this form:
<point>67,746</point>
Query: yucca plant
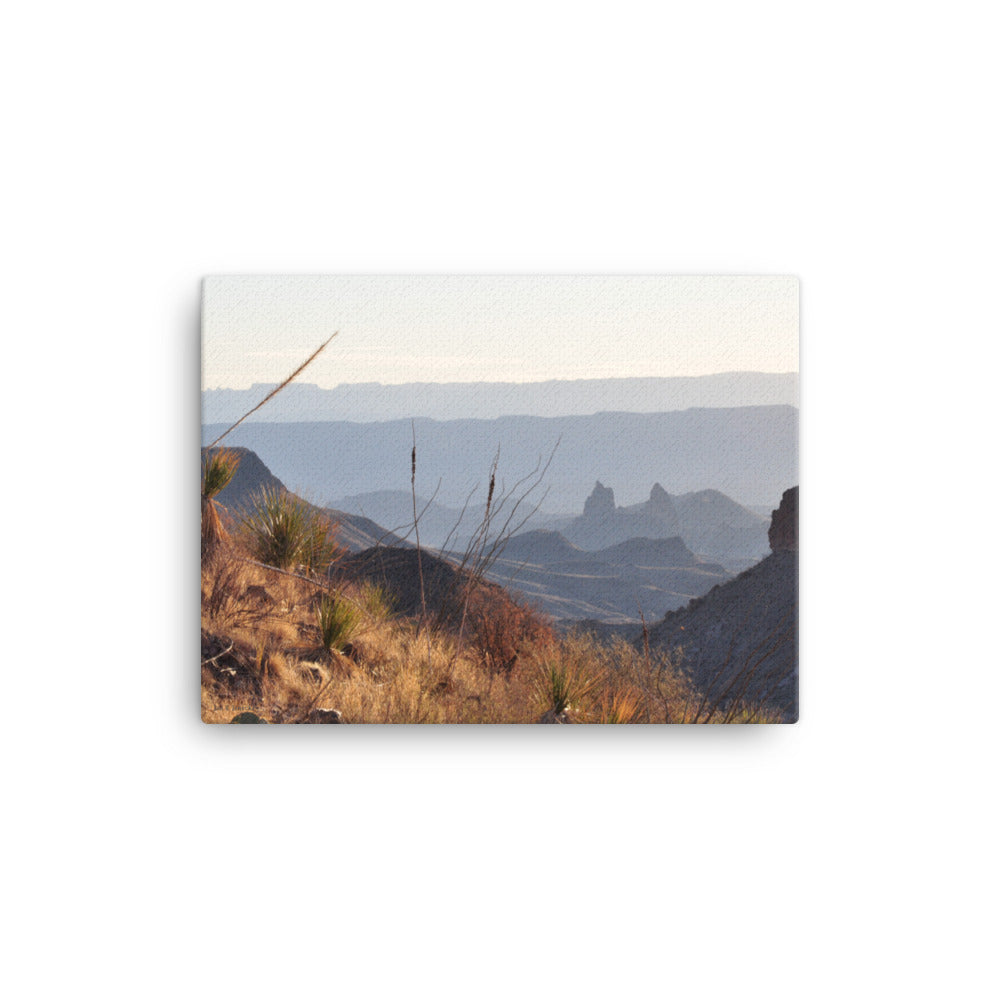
<point>283,530</point>
<point>565,685</point>
<point>338,622</point>
<point>377,601</point>
<point>217,473</point>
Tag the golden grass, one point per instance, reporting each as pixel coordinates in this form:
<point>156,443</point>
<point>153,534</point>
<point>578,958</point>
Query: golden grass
<point>396,672</point>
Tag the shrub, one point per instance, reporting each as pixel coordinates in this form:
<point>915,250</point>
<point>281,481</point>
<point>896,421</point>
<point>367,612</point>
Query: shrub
<point>283,530</point>
<point>567,682</point>
<point>338,621</point>
<point>501,629</point>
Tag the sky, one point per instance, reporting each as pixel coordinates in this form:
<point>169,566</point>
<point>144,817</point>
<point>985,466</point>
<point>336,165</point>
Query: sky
<point>494,329</point>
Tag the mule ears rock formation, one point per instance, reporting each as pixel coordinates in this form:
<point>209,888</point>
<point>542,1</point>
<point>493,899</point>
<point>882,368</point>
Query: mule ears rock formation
<point>659,497</point>
<point>600,503</point>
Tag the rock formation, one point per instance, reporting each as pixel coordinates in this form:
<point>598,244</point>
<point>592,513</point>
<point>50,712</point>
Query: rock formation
<point>711,524</point>
<point>784,531</point>
<point>600,504</point>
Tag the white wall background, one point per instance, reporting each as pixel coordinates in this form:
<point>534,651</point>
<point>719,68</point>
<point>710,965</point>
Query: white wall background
<point>853,145</point>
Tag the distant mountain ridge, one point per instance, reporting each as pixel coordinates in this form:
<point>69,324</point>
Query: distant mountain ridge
<point>711,524</point>
<point>621,583</point>
<point>373,402</point>
<point>747,453</point>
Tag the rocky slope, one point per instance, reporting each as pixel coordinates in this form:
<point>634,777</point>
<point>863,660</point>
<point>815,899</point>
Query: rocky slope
<point>741,639</point>
<point>783,535</point>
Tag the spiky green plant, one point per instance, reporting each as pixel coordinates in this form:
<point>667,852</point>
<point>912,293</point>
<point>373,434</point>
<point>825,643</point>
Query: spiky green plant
<point>377,601</point>
<point>338,622</point>
<point>217,473</point>
<point>563,685</point>
<point>283,530</point>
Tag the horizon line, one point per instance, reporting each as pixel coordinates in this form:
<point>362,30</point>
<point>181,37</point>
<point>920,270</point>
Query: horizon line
<point>501,382</point>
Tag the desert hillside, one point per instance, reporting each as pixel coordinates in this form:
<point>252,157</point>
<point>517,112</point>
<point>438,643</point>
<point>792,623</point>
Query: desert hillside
<point>298,629</point>
<point>354,532</point>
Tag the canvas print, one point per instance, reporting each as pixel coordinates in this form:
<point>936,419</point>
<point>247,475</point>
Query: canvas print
<point>476,499</point>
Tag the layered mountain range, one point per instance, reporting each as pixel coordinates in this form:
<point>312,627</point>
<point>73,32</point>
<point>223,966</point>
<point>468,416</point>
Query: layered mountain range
<point>748,454</point>
<point>372,401</point>
<point>709,522</point>
<point>620,583</point>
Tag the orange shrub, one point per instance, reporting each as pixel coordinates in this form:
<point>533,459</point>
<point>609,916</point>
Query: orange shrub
<point>501,629</point>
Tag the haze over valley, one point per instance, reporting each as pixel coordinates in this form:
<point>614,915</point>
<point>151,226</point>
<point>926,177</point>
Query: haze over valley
<point>372,402</point>
<point>747,453</point>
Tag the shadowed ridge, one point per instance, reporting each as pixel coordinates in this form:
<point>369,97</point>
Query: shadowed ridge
<point>741,639</point>
<point>354,532</point>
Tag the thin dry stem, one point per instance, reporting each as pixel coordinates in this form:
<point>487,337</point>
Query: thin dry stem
<point>274,392</point>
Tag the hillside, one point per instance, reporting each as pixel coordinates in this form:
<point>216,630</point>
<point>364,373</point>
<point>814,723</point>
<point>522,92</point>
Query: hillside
<point>394,508</point>
<point>354,532</point>
<point>749,454</point>
<point>740,639</point>
<point>618,584</point>
<point>488,400</point>
<point>389,634</point>
<point>251,476</point>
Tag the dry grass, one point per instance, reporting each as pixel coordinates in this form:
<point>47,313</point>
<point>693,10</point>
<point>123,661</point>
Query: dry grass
<point>263,653</point>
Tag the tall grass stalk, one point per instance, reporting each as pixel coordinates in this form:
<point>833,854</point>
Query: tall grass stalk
<point>274,392</point>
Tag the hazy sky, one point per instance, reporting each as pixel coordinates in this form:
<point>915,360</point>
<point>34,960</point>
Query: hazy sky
<point>496,329</point>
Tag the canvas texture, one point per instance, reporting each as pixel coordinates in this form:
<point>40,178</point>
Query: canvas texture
<point>499,500</point>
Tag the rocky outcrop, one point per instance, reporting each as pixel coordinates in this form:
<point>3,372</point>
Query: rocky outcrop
<point>784,531</point>
<point>740,640</point>
<point>325,717</point>
<point>600,504</point>
<point>711,524</point>
<point>659,498</point>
